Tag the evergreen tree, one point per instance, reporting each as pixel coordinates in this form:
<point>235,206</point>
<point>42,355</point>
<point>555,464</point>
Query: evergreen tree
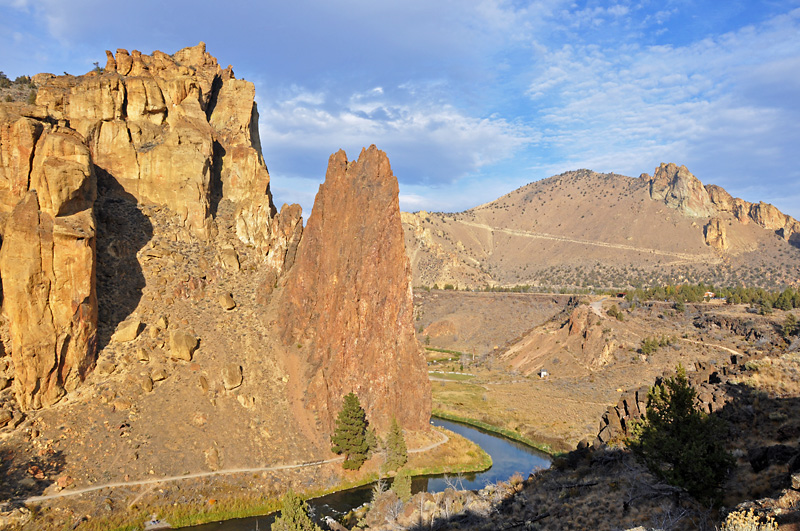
<point>790,326</point>
<point>402,485</point>
<point>373,442</point>
<point>350,436</point>
<point>396,451</point>
<point>681,444</point>
<point>294,515</point>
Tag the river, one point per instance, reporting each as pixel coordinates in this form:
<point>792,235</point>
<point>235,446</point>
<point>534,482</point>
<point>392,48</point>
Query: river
<point>508,457</point>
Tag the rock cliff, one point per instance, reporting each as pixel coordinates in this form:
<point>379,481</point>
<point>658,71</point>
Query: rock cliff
<point>47,261</point>
<point>348,300</point>
<point>169,131</point>
<point>679,189</point>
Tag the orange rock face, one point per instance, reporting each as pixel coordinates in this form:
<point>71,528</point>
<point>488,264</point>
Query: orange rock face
<point>348,299</point>
<point>47,261</point>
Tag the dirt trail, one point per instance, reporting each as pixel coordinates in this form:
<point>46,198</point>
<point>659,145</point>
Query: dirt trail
<point>732,351</point>
<point>688,258</point>
<point>169,479</point>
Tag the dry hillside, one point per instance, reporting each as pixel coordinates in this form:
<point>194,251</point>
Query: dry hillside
<point>583,229</point>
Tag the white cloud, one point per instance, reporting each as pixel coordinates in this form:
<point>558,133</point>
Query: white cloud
<point>426,141</point>
<point>725,106</point>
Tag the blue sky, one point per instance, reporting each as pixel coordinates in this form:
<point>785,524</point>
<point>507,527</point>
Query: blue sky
<point>474,98</point>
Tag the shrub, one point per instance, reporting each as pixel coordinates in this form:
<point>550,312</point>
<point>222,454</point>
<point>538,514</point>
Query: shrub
<point>748,521</point>
<point>294,515</point>
<point>614,312</point>
<point>790,326</point>
<point>681,444</point>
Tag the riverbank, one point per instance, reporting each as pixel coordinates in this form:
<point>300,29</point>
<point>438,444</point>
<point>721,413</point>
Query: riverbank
<point>505,432</point>
<point>237,494</point>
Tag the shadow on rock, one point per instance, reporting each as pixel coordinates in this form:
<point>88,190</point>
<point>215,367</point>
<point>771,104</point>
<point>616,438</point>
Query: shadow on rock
<point>122,230</point>
<point>25,476</point>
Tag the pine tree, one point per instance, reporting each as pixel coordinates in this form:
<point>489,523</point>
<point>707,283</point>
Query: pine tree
<point>402,485</point>
<point>396,451</point>
<point>350,436</point>
<point>294,515</point>
<point>681,443</point>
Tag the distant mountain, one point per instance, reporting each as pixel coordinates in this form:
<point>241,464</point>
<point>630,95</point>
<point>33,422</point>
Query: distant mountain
<point>588,229</point>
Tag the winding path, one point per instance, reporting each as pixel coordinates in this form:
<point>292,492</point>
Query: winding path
<point>732,351</point>
<point>228,471</point>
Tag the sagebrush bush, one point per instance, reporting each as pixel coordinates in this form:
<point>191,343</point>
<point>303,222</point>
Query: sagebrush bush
<point>748,521</point>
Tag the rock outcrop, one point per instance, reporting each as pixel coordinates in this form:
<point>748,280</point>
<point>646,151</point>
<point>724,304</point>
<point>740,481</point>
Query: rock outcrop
<point>715,234</point>
<point>679,189</point>
<point>47,261</point>
<point>348,300</point>
<point>175,131</point>
<point>172,130</point>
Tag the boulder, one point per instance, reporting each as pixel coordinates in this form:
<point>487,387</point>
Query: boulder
<point>229,259</point>
<point>348,299</point>
<point>182,345</point>
<point>142,354</point>
<point>232,376</point>
<point>5,417</point>
<point>127,331</point>
<point>145,382</point>
<point>226,301</point>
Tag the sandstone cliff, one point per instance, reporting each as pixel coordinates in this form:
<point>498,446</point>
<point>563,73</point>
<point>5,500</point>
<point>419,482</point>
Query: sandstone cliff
<point>170,131</point>
<point>47,261</point>
<point>348,300</point>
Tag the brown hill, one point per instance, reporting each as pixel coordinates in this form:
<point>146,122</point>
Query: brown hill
<point>584,229</point>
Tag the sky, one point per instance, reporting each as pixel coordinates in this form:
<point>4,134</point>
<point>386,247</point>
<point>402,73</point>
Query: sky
<point>472,99</point>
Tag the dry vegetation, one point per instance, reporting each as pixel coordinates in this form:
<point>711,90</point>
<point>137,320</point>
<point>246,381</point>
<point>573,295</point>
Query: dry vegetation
<point>587,229</point>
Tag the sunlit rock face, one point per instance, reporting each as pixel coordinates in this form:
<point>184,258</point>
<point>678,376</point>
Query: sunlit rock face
<point>47,260</point>
<point>348,300</point>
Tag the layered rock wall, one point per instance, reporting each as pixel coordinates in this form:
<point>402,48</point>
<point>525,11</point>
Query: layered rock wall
<point>172,130</point>
<point>47,260</point>
<point>348,300</point>
<point>679,189</point>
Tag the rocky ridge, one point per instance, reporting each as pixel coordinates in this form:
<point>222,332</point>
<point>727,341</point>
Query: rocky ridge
<point>679,189</point>
<point>585,229</point>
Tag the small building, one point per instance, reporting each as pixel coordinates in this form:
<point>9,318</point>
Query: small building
<point>543,373</point>
<point>708,295</point>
